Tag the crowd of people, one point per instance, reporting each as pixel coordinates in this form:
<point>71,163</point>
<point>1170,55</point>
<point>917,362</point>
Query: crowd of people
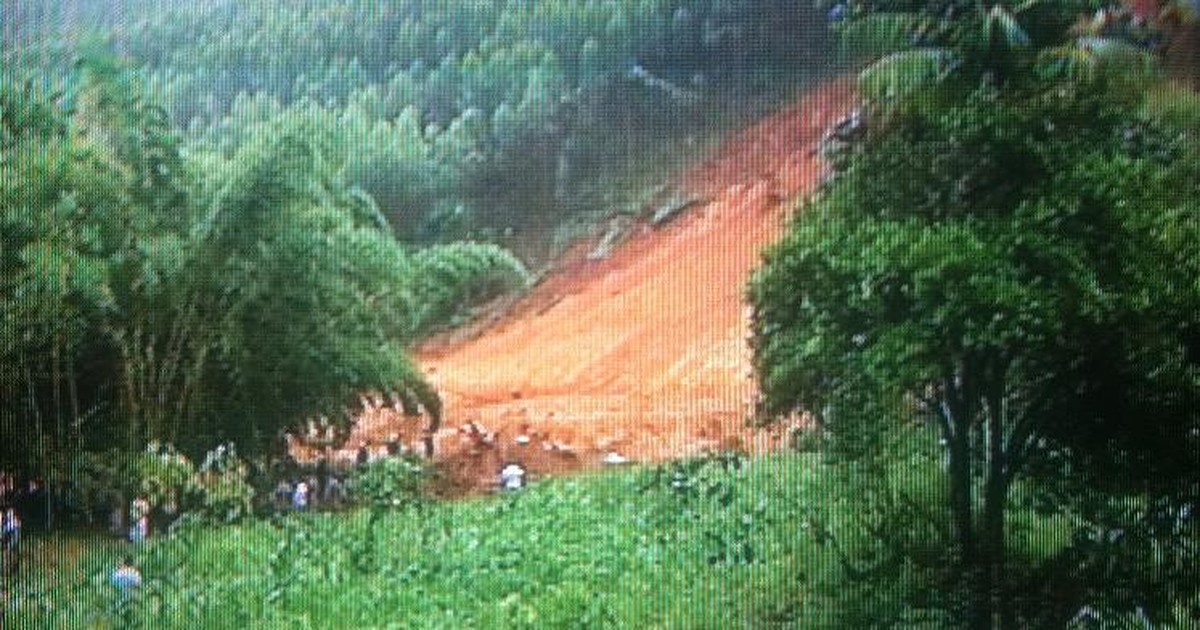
<point>310,493</point>
<point>299,491</point>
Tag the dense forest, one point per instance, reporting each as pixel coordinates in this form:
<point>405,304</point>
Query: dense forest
<point>465,118</point>
<point>223,219</point>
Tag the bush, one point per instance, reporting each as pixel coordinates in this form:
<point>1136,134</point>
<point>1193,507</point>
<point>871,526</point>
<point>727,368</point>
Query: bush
<point>389,483</point>
<point>450,279</point>
<point>163,474</point>
<point>224,493</point>
<point>100,482</point>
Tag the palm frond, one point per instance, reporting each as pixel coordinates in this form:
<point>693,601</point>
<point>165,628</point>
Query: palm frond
<point>1090,58</point>
<point>1000,27</point>
<point>904,72</point>
<point>1024,6</point>
<point>883,33</point>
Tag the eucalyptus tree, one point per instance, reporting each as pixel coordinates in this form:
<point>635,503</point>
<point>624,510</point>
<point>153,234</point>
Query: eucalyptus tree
<point>1008,255</point>
<point>550,81</point>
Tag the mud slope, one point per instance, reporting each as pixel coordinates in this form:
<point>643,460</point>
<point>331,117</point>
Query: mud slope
<point>642,354</point>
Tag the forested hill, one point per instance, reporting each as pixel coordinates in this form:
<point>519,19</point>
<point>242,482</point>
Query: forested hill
<point>459,118</point>
<point>220,218</point>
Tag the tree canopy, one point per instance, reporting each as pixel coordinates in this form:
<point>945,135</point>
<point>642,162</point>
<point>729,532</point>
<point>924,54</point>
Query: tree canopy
<point>466,119</point>
<point>1009,255</point>
<point>148,296</point>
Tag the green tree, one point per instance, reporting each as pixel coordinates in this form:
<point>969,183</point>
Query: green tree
<point>149,297</point>
<point>305,294</point>
<point>1007,254</point>
<point>82,197</point>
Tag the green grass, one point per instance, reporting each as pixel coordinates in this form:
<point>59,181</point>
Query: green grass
<point>719,543</point>
<point>722,550</point>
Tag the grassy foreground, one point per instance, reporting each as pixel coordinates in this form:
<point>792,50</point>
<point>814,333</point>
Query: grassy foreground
<point>691,545</point>
<point>716,543</point>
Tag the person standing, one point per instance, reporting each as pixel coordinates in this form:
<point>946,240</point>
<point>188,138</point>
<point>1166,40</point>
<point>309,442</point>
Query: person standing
<point>7,488</point>
<point>36,505</point>
<point>334,492</point>
<point>139,519</point>
<point>283,495</point>
<point>314,492</point>
<point>512,477</point>
<point>10,530</point>
<point>300,496</point>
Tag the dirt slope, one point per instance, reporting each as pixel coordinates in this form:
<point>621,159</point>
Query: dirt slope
<point>642,354</point>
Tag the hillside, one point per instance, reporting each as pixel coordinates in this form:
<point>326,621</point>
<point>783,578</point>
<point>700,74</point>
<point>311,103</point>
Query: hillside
<point>641,352</point>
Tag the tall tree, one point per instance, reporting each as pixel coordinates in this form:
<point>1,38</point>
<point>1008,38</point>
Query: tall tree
<point>147,296</point>
<point>1005,254</point>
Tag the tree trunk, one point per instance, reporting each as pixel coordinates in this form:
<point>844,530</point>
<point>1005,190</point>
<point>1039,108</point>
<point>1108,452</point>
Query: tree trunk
<point>76,415</point>
<point>995,501</point>
<point>995,554</point>
<point>56,398</point>
<point>957,417</point>
<point>40,430</point>
<point>969,560</point>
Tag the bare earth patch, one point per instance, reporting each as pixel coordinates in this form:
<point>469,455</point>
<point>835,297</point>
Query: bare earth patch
<point>640,355</point>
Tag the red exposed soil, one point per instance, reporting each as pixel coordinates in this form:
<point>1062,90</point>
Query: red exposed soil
<point>643,353</point>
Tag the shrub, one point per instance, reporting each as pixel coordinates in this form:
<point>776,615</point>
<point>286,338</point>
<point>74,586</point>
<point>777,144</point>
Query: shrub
<point>389,483</point>
<point>163,474</point>
<point>224,493</point>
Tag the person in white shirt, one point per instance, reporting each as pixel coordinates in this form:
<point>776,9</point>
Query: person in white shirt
<point>300,496</point>
<point>512,477</point>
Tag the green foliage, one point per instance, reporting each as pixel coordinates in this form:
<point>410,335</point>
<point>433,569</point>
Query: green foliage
<point>691,489</point>
<point>917,51</point>
<point>888,537</point>
<point>450,278</point>
<point>998,218</point>
<point>390,483</point>
<point>310,292</point>
<point>611,550</point>
<point>578,553</point>
<point>102,482</point>
<point>498,108</point>
<point>223,485</point>
<point>162,474</point>
<point>201,300</point>
<point>218,491</point>
<point>79,211</point>
<point>901,72</point>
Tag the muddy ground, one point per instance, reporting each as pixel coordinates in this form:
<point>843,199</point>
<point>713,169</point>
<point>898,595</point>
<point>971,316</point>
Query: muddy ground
<point>634,348</point>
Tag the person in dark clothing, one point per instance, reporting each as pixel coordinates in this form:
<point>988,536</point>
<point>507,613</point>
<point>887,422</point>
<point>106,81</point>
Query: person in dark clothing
<point>283,495</point>
<point>34,505</point>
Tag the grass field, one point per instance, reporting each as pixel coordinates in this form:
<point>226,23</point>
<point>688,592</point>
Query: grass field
<point>692,545</point>
<point>717,543</point>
